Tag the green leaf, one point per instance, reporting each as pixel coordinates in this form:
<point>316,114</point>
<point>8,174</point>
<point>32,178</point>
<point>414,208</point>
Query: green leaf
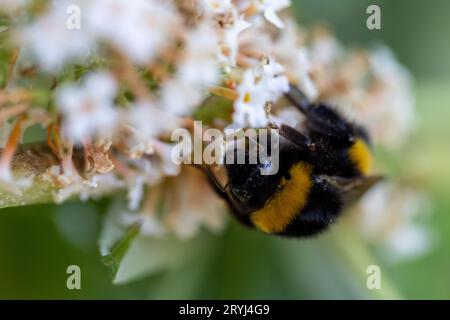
<point>132,256</point>
<point>114,259</point>
<point>214,108</point>
<point>149,255</point>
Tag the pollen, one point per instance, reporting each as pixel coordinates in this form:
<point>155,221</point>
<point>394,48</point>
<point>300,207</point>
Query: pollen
<point>247,97</point>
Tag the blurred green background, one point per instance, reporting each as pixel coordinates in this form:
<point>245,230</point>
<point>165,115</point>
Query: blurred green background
<point>37,243</point>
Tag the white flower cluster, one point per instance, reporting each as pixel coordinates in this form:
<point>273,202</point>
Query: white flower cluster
<point>389,215</point>
<point>183,48</point>
<point>73,29</point>
<point>259,86</point>
<point>126,73</point>
<point>12,6</point>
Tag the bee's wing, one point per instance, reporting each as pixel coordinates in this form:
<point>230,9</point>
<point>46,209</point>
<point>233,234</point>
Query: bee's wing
<point>352,188</point>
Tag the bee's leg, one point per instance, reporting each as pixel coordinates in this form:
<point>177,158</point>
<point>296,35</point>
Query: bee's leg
<point>321,118</point>
<point>234,204</point>
<point>298,99</point>
<point>215,184</point>
<point>295,137</point>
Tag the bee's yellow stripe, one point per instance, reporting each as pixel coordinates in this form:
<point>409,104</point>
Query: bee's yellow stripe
<point>286,204</point>
<point>361,156</point>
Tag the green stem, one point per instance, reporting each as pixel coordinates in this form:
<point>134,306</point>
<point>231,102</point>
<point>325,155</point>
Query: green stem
<point>30,160</point>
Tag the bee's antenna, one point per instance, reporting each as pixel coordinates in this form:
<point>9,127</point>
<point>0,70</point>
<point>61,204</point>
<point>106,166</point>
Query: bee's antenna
<point>298,98</point>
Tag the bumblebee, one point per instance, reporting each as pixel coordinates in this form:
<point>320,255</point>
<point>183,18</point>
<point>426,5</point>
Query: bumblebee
<point>323,167</point>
